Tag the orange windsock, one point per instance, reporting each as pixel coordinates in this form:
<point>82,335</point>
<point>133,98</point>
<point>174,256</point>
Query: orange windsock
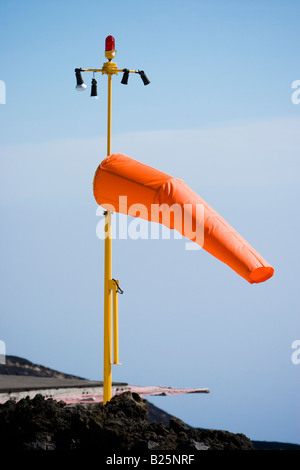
<point>124,185</point>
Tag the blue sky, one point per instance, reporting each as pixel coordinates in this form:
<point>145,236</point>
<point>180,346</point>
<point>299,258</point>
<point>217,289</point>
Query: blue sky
<point>217,114</point>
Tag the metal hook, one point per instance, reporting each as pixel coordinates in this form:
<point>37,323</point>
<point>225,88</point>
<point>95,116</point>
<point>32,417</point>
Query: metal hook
<point>119,290</point>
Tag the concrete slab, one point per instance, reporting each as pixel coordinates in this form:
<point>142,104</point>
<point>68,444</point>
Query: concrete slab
<point>13,383</point>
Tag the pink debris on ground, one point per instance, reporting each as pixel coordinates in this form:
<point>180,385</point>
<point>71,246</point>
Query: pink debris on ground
<point>142,391</point>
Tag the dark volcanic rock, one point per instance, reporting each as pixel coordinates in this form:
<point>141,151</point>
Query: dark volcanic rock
<point>121,425</point>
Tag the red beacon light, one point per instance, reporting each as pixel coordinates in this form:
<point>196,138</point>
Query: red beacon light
<point>110,43</point>
<point>110,47</point>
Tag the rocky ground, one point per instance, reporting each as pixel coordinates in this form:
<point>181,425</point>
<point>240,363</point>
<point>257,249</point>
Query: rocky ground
<point>122,425</point>
<point>127,423</point>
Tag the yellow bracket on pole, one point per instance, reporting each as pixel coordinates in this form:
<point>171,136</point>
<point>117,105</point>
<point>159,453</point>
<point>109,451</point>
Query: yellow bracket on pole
<point>108,67</point>
<point>114,286</point>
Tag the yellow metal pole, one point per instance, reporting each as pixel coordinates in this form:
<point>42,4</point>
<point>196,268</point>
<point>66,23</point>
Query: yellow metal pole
<point>107,275</point>
<point>107,311</point>
<point>109,114</point>
<point>109,68</point>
